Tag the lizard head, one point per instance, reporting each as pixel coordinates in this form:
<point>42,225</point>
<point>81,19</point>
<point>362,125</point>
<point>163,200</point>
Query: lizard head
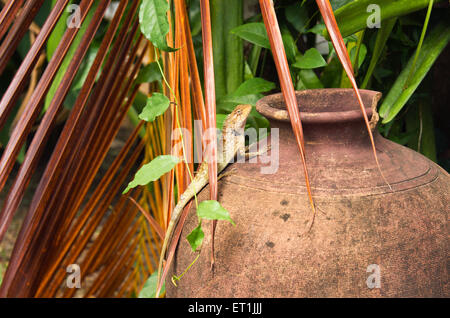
<point>238,116</point>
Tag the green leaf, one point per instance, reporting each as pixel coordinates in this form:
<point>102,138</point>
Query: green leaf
<point>399,94</point>
<point>254,85</point>
<point>68,58</point>
<point>139,102</point>
<point>149,289</point>
<point>331,75</point>
<point>157,104</point>
<point>317,29</point>
<point>149,74</point>
<point>195,238</point>
<point>353,16</point>
<point>233,100</point>
<point>289,44</point>
<point>220,119</point>
<point>248,92</point>
<point>212,210</point>
<point>195,17</point>
<point>57,33</point>
<point>311,59</point>
<point>153,170</point>
<point>380,42</point>
<point>309,79</point>
<point>154,23</point>
<point>336,4</point>
<point>297,15</point>
<point>254,32</point>
<point>85,67</point>
<point>361,56</point>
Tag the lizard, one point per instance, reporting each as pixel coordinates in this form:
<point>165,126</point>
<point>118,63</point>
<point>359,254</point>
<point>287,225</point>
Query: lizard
<point>233,143</point>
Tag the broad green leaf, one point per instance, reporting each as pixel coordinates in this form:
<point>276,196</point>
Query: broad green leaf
<point>153,170</point>
<point>311,59</point>
<point>149,289</point>
<point>149,74</point>
<point>254,85</point>
<point>397,97</point>
<point>220,119</point>
<point>297,15</point>
<point>237,100</point>
<point>248,74</point>
<point>85,67</point>
<point>212,210</point>
<point>380,42</point>
<point>58,32</point>
<point>139,102</point>
<point>248,92</point>
<point>194,17</point>
<point>331,75</point>
<point>317,29</point>
<point>353,16</point>
<point>419,121</point>
<point>336,4</point>
<point>253,60</point>
<point>289,44</point>
<point>195,238</point>
<point>361,56</point>
<point>157,104</point>
<point>254,32</point>
<point>309,79</point>
<point>154,23</point>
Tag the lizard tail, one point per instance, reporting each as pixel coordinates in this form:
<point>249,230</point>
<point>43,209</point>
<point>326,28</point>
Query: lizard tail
<point>213,230</point>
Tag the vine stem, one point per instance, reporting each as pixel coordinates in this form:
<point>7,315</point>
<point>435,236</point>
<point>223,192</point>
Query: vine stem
<point>175,278</point>
<point>178,123</point>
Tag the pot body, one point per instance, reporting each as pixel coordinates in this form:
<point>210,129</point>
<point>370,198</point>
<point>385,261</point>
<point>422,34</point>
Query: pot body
<point>368,239</point>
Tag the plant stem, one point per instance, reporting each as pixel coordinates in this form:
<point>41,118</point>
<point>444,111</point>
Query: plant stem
<point>254,58</point>
<point>218,7</point>
<point>234,50</point>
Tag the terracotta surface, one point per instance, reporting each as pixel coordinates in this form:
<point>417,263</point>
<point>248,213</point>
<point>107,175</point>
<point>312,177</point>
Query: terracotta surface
<point>359,222</point>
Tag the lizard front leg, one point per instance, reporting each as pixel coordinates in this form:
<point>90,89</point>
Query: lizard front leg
<point>249,154</point>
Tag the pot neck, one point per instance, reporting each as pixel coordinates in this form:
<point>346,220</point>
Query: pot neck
<point>329,116</point>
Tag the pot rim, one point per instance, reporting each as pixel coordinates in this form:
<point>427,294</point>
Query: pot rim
<point>370,99</point>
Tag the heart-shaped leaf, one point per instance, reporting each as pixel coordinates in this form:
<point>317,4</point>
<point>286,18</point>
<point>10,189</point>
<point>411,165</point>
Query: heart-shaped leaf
<point>149,74</point>
<point>212,210</point>
<point>157,104</point>
<point>297,15</point>
<point>195,238</point>
<point>154,24</point>
<point>254,32</point>
<point>153,170</point>
<point>254,86</point>
<point>149,289</point>
<point>311,59</point>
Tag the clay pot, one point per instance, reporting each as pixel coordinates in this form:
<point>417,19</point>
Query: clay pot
<point>367,240</point>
